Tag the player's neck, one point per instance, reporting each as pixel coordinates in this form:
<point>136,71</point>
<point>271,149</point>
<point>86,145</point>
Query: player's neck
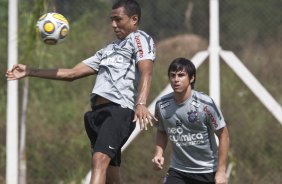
<point>183,96</point>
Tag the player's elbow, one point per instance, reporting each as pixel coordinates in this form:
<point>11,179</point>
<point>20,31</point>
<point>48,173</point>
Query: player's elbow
<point>71,76</point>
<point>79,72</point>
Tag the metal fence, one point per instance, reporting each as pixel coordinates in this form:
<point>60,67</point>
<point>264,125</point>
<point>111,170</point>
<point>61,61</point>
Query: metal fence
<point>57,149</point>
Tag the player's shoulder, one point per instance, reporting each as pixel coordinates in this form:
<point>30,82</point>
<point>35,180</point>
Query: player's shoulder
<point>201,96</point>
<point>141,32</point>
<point>140,35</point>
<point>164,100</point>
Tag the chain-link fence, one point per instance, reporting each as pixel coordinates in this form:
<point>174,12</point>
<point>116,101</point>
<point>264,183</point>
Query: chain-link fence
<point>57,148</point>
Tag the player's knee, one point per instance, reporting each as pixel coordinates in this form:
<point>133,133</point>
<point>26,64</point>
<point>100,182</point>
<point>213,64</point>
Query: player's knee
<point>100,160</point>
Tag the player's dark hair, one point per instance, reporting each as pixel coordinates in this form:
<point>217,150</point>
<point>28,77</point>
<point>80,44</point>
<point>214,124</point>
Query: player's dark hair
<point>182,64</point>
<point>131,7</point>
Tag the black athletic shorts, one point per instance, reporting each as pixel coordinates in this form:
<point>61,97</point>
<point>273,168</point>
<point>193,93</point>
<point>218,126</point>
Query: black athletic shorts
<point>108,127</point>
<point>174,176</point>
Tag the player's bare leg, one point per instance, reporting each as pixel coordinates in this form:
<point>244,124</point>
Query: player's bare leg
<point>113,175</point>
<point>100,162</point>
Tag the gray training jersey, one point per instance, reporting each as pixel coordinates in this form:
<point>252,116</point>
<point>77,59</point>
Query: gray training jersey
<point>190,128</point>
<point>118,76</point>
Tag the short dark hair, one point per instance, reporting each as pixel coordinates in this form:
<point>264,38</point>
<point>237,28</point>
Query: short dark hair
<point>131,7</point>
<point>182,64</point>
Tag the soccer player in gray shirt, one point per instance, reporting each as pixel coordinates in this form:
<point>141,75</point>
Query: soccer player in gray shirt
<point>124,71</point>
<point>189,120</point>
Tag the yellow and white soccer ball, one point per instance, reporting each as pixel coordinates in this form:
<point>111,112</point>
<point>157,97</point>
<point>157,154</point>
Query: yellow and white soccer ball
<point>52,28</point>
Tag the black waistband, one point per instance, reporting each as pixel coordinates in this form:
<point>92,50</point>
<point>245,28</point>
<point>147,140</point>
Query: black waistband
<point>95,107</point>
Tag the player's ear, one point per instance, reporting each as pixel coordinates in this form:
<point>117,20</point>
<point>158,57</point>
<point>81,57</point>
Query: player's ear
<point>192,79</point>
<point>135,19</point>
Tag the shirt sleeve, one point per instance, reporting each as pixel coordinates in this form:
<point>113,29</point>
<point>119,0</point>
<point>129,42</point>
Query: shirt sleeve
<point>215,116</point>
<point>159,124</point>
<point>94,61</point>
<point>144,46</point>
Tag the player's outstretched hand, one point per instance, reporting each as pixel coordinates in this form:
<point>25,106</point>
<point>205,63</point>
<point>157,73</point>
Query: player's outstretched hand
<point>158,162</point>
<point>144,116</point>
<point>17,72</point>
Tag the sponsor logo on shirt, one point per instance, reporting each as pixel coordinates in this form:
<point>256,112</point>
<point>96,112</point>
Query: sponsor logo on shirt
<point>164,105</point>
<point>177,136</point>
<point>139,45</point>
<point>111,59</point>
<point>211,116</point>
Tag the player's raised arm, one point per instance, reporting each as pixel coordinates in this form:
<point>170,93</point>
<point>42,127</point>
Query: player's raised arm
<point>20,71</point>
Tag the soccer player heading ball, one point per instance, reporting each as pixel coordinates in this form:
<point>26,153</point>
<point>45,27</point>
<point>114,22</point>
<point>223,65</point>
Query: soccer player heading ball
<point>124,71</point>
